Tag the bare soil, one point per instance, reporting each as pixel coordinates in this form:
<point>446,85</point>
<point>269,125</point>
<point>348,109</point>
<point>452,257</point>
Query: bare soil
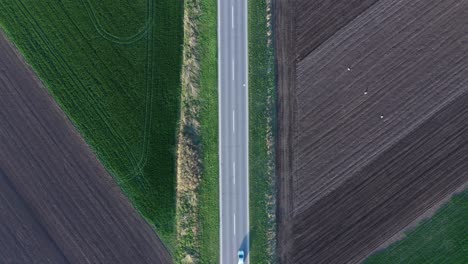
<point>57,202</point>
<point>373,124</point>
<point>317,21</point>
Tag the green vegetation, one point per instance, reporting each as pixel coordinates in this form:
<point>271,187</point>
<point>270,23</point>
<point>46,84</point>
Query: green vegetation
<point>440,239</point>
<point>262,113</point>
<point>114,67</point>
<point>197,186</point>
<point>209,187</point>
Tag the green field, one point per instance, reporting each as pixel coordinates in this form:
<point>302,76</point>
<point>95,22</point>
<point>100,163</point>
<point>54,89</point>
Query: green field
<point>261,142</point>
<point>114,68</point>
<point>440,239</point>
<point>209,187</point>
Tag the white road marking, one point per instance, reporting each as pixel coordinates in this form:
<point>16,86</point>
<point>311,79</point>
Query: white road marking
<point>233,69</point>
<point>234,172</point>
<point>246,22</point>
<point>220,180</point>
<point>232,16</point>
<point>234,224</point>
<point>233,121</point>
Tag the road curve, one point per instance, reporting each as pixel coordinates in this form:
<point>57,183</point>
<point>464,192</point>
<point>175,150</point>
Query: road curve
<point>233,129</point>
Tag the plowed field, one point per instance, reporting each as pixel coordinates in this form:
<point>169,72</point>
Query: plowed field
<point>373,114</point>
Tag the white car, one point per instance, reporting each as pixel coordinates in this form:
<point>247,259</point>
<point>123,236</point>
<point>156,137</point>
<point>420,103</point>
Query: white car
<point>241,256</point>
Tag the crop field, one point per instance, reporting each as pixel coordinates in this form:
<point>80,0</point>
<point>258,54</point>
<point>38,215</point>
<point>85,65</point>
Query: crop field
<point>58,204</point>
<point>114,67</point>
<point>373,121</point>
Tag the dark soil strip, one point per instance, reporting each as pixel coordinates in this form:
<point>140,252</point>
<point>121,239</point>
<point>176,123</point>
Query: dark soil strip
<point>22,237</point>
<point>284,34</point>
<point>319,20</point>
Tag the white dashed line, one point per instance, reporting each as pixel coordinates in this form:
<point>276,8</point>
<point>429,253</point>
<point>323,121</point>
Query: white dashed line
<point>234,173</point>
<point>233,121</point>
<point>234,224</point>
<point>232,16</point>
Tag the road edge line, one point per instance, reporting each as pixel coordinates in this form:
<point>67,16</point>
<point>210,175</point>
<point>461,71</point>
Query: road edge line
<point>219,138</point>
<point>248,122</point>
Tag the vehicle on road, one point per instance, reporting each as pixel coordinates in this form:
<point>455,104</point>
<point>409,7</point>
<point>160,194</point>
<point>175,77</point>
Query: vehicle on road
<point>241,257</point>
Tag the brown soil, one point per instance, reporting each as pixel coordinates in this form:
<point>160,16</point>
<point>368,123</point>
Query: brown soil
<point>285,53</point>
<point>373,123</point>
<point>57,202</point>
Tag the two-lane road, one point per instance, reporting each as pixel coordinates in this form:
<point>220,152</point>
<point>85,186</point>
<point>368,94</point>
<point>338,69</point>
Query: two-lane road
<point>233,129</point>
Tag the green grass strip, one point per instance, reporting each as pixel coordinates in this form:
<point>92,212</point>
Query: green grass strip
<point>262,116</point>
<point>209,187</point>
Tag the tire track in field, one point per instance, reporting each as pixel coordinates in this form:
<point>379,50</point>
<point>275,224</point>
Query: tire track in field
<point>139,163</point>
<point>148,31</point>
<point>114,38</point>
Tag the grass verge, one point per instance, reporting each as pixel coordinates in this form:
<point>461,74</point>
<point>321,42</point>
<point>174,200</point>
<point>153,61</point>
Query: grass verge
<point>261,149</point>
<point>197,195</point>
<point>209,187</point>
<point>114,68</point>
<point>440,239</point>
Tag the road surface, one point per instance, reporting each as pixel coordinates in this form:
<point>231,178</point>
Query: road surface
<point>233,129</point>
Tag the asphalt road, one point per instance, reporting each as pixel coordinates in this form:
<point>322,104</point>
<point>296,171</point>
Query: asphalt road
<point>233,129</point>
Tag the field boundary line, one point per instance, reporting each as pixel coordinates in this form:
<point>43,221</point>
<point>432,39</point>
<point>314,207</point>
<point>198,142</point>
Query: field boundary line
<point>114,38</point>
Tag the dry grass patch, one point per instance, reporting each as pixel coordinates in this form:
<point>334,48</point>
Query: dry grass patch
<point>189,164</point>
